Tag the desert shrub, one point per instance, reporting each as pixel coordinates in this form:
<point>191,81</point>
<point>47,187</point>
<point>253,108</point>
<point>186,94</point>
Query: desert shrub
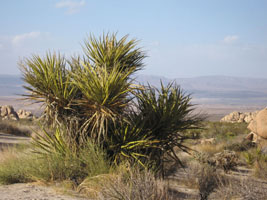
<point>226,160</point>
<point>224,130</point>
<point>207,181</point>
<point>126,184</point>
<point>253,155</point>
<point>238,146</point>
<point>95,99</point>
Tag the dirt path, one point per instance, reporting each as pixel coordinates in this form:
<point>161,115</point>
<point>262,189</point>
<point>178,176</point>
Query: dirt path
<point>32,192</point>
<point>12,139</point>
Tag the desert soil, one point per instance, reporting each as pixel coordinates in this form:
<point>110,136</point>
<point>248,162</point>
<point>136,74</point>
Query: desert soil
<point>22,191</point>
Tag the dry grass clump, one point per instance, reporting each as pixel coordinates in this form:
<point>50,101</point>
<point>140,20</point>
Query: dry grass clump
<point>14,128</point>
<point>14,165</point>
<point>210,149</point>
<point>245,189</point>
<point>19,166</point>
<point>202,178</point>
<point>215,184</point>
<point>208,181</point>
<point>126,184</point>
<point>260,169</point>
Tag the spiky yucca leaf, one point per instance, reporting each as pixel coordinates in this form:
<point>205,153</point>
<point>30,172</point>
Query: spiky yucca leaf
<point>50,143</point>
<point>48,81</point>
<point>105,96</point>
<point>128,141</point>
<point>107,51</point>
<point>166,113</point>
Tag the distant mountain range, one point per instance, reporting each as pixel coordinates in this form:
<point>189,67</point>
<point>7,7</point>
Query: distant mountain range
<point>218,89</point>
<point>204,89</point>
<point>10,85</point>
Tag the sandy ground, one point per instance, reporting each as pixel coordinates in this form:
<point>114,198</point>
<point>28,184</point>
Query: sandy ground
<point>8,140</point>
<point>32,192</point>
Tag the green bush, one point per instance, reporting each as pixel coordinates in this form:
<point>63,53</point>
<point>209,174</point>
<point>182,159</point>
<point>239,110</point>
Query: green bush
<point>27,167</point>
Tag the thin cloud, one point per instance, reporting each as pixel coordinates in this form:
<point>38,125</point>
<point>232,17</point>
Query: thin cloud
<point>71,6</point>
<point>20,38</point>
<point>230,39</point>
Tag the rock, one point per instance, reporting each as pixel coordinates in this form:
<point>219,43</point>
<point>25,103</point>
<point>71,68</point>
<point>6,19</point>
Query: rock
<point>253,137</point>
<point>252,126</point>
<point>208,141</point>
<point>239,117</point>
<point>8,112</point>
<point>23,114</point>
<point>259,124</point>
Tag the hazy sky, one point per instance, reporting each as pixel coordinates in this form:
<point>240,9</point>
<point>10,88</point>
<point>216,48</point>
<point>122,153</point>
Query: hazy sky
<point>182,38</point>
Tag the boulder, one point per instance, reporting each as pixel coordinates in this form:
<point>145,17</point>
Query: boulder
<point>8,112</point>
<point>259,124</point>
<point>239,117</point>
<point>252,137</point>
<point>23,114</point>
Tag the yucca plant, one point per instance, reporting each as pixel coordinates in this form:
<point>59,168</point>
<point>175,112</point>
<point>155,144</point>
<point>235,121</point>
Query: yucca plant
<point>154,128</point>
<point>49,82</point>
<point>95,99</point>
<point>105,95</point>
<point>128,142</point>
<point>166,113</point>
<point>107,52</point>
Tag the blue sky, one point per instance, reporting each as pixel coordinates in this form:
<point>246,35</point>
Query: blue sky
<point>182,38</point>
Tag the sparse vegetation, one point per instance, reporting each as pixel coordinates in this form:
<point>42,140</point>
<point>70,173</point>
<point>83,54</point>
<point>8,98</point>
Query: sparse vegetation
<point>14,128</point>
<point>18,166</point>
<point>129,183</point>
<point>110,138</point>
<point>98,120</point>
<point>207,181</point>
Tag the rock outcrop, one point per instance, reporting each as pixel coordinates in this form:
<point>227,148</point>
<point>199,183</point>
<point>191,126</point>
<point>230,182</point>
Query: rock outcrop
<point>240,117</point>
<point>23,114</point>
<point>259,124</point>
<point>7,112</point>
